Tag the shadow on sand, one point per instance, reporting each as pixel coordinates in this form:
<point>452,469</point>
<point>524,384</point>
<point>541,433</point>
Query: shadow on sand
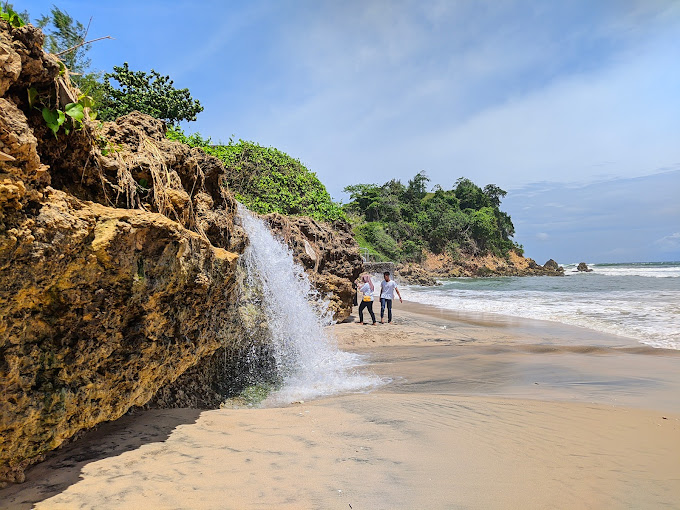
<point>63,467</point>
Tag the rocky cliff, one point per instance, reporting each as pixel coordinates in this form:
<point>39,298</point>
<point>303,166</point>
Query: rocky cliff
<point>118,265</point>
<point>329,254</point>
<point>443,266</point>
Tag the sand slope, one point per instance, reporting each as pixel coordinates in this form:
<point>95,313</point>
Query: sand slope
<point>461,425</point>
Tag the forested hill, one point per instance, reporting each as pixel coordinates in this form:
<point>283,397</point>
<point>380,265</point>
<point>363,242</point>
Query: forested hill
<point>402,222</point>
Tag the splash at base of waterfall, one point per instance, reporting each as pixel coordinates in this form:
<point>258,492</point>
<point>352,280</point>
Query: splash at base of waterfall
<point>306,359</point>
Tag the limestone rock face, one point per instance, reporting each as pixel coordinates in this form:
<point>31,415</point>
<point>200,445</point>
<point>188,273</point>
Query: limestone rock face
<point>443,266</point>
<point>329,254</point>
<point>109,289</point>
<point>118,266</point>
<point>93,317</point>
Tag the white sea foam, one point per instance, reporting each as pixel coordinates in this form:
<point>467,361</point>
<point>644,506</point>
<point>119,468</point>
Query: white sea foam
<point>644,309</point>
<point>306,354</point>
<point>644,270</point>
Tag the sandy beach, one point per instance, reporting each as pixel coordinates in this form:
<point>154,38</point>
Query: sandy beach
<point>476,412</point>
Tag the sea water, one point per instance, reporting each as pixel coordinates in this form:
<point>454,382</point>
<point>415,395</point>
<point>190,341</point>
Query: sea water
<point>639,301</point>
<point>307,358</point>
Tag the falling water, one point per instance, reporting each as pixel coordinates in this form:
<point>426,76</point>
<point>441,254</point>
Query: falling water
<point>307,361</point>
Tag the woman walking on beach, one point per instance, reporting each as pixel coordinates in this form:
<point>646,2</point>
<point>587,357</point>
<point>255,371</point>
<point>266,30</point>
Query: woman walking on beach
<point>367,300</point>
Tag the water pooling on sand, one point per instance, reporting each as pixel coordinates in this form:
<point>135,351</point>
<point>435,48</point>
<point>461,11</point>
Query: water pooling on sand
<point>639,301</point>
<point>306,356</point>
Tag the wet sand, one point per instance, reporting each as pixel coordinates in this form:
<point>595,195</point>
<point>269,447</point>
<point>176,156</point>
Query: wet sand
<point>481,412</point>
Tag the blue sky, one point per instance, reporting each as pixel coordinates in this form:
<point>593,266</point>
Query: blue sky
<point>574,103</point>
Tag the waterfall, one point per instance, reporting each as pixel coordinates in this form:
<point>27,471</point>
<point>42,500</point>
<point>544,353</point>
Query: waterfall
<point>307,360</point>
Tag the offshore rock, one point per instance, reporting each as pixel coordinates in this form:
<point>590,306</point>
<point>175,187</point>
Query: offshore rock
<point>583,267</point>
<point>553,266</point>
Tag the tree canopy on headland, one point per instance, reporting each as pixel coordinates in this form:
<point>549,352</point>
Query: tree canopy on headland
<point>399,222</point>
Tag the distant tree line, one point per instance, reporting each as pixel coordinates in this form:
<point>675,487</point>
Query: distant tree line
<point>399,222</point>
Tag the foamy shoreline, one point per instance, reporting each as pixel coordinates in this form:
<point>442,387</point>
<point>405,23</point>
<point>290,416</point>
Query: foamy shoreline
<point>462,424</point>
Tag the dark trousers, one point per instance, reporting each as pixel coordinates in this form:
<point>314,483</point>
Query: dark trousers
<point>366,304</point>
<point>388,302</point>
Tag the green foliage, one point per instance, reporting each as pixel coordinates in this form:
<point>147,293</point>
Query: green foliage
<point>14,19</point>
<point>267,180</point>
<point>150,93</point>
<point>376,235</point>
<point>71,117</point>
<point>399,222</point>
<point>251,396</point>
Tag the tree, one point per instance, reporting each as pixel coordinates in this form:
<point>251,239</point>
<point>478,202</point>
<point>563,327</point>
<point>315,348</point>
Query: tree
<point>494,193</point>
<point>64,37</point>
<point>470,195</point>
<point>465,219</point>
<point>150,93</point>
<point>63,33</point>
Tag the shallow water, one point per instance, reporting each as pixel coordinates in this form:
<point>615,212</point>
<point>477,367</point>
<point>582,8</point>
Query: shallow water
<point>640,301</point>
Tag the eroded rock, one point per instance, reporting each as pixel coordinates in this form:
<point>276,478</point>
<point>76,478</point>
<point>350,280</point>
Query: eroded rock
<point>118,266</point>
<point>329,254</point>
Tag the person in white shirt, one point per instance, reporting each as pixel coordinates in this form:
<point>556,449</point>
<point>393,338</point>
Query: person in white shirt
<point>387,289</point>
<point>367,300</point>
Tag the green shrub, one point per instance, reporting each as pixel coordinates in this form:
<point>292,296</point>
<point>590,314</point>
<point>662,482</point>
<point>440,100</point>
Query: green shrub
<point>267,180</point>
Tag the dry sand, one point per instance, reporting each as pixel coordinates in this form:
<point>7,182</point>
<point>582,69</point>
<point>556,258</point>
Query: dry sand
<point>479,413</point>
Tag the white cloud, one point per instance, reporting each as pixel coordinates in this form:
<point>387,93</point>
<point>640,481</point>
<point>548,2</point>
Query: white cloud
<point>622,220</point>
<point>669,243</point>
<point>508,93</point>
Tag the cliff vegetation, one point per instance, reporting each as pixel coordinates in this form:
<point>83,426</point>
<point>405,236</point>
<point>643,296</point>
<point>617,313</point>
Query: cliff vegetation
<point>404,222</point>
<point>267,180</point>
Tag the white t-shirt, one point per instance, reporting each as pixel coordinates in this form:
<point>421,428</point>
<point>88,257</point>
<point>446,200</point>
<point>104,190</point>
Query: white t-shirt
<point>387,289</point>
<point>366,290</point>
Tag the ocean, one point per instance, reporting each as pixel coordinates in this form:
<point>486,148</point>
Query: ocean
<point>640,301</point>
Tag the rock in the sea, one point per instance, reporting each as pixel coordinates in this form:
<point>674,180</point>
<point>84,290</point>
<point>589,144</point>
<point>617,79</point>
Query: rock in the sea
<point>583,267</point>
<point>552,266</point>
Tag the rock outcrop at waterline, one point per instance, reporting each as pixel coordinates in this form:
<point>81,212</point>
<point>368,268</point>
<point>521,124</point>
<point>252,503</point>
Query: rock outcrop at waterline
<point>118,262</point>
<point>443,266</point>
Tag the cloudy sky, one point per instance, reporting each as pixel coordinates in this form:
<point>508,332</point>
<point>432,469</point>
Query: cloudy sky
<point>572,106</point>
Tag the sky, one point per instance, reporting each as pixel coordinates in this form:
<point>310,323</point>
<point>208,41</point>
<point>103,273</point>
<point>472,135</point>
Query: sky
<point>571,106</point>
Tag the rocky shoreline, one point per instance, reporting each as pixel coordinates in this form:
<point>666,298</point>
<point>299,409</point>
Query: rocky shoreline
<point>442,266</point>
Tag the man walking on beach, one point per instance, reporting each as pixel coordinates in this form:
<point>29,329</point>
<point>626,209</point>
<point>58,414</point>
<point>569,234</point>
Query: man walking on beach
<point>387,288</point>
